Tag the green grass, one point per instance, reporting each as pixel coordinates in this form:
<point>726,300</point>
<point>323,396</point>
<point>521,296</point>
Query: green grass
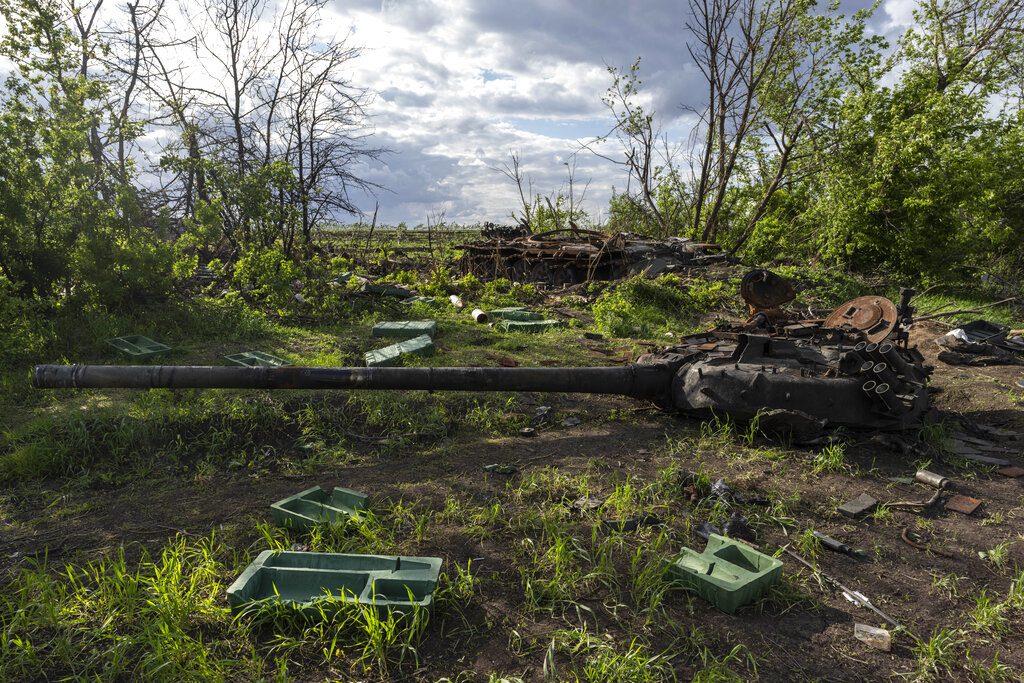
<point>643,308</point>
<point>832,458</point>
<point>553,584</point>
<point>936,655</point>
<point>947,300</point>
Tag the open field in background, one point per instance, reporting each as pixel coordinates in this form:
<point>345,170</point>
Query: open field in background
<point>124,515</point>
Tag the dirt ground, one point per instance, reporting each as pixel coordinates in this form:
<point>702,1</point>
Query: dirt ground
<point>812,640</point>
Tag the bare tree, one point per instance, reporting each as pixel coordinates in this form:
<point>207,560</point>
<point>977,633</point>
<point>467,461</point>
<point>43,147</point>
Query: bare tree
<point>513,170</point>
<point>325,115</point>
<point>771,69</point>
<point>263,95</point>
<point>737,46</point>
<point>645,154</point>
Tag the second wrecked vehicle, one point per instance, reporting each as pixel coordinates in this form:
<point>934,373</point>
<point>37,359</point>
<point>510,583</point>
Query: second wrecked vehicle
<point>571,256</point>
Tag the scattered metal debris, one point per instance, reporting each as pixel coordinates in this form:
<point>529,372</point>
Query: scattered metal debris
<point>499,468</point>
<point>861,505</point>
<point>938,482</point>
<point>541,416</point>
<point>631,524</point>
<point>931,479</point>
<point>567,256</point>
<point>721,491</point>
<point>738,526</point>
<point>853,596</point>
<point>980,343</point>
<point>705,529</point>
<point>586,503</point>
<point>838,546</point>
<point>963,504</point>
<point>907,536</point>
<point>492,231</point>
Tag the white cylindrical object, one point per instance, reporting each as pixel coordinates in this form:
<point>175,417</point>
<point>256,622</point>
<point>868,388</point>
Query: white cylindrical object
<point>456,301</point>
<point>479,316</point>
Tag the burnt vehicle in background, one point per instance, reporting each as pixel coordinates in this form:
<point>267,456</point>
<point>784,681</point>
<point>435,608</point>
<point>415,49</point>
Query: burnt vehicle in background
<point>572,255</point>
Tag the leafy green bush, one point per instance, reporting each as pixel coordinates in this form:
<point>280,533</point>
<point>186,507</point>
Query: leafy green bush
<point>822,288</point>
<point>438,283</point>
<point>504,292</point>
<point>639,307</point>
<point>469,285</point>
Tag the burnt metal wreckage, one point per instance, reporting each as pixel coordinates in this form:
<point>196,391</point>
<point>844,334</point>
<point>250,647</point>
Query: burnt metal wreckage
<point>572,255</point>
<point>853,368</point>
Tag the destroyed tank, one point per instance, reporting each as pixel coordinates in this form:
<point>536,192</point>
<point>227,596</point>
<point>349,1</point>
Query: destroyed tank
<point>796,377</point>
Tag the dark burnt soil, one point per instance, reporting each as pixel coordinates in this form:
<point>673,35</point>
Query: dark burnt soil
<point>811,639</point>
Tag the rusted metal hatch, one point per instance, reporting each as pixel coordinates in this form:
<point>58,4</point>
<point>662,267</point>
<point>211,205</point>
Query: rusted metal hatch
<point>762,289</point>
<point>875,316</point>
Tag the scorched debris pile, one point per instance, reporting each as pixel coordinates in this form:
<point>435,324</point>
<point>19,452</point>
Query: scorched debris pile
<point>562,257</point>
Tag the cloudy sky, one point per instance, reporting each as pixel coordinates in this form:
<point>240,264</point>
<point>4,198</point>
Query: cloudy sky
<point>462,83</point>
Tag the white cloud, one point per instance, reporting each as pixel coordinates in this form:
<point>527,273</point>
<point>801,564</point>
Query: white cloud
<point>461,84</point>
<point>900,14</point>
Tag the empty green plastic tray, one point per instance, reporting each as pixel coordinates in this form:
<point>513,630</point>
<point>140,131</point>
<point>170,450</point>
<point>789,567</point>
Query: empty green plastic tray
<point>317,506</point>
<point>728,574</point>
<point>328,581</point>
<point>530,325</point>
<point>387,290</point>
<point>405,329</point>
<point>256,359</point>
<point>517,313</point>
<point>138,346</point>
<point>392,355</point>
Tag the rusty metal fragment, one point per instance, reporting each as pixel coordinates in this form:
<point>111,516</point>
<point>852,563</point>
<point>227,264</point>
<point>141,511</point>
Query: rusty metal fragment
<point>875,316</point>
<point>764,290</point>
<point>963,504</point>
<point>1012,472</point>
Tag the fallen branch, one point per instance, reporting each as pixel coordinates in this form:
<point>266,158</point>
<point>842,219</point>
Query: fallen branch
<point>919,294</point>
<point>963,311</point>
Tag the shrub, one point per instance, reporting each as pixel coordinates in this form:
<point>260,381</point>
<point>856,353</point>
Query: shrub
<point>639,307</point>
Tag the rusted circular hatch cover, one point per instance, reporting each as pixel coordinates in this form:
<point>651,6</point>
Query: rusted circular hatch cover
<point>875,316</point>
<point>763,289</point>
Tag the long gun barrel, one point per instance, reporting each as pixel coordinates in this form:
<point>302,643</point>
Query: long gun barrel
<point>746,378</point>
<point>638,380</point>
